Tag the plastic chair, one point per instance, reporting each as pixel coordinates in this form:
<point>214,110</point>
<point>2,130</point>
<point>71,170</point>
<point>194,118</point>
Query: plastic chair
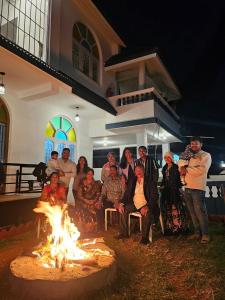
<point>110,211</point>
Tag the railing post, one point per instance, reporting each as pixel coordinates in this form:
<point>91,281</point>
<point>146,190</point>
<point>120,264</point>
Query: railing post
<point>20,178</point>
<point>17,180</point>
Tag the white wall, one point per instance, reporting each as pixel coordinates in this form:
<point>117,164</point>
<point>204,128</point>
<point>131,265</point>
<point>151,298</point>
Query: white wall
<point>28,122</point>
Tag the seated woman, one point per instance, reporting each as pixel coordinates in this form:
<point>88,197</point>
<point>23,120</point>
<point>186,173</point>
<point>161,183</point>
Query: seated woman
<point>89,211</point>
<point>171,204</point>
<point>54,192</point>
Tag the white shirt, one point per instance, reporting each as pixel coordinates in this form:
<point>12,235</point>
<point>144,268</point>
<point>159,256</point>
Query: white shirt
<point>139,196</point>
<point>69,168</point>
<point>53,166</point>
<point>197,170</point>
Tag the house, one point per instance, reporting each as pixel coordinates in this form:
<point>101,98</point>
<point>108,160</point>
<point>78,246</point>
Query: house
<point>62,59</point>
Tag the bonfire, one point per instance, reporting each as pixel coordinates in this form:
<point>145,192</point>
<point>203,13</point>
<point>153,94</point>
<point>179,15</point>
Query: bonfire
<point>63,249</point>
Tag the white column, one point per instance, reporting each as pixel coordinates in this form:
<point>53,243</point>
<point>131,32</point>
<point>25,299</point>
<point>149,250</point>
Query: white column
<point>165,148</point>
<point>141,76</point>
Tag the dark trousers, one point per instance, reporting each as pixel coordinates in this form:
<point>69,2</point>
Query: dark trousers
<point>100,218</point>
<point>195,200</point>
<point>146,221</point>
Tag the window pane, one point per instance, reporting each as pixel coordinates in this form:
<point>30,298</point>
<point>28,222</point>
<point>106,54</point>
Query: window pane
<point>24,16</point>
<point>60,135</point>
<point>49,131</point>
<point>85,64</point>
<point>100,156</point>
<point>71,135</point>
<point>72,152</point>
<point>75,54</point>
<point>66,125</point>
<point>60,149</point>
<point>56,122</point>
<point>86,45</point>
<point>76,33</point>
<point>48,148</point>
<point>95,71</point>
<point>90,38</point>
<point>82,29</point>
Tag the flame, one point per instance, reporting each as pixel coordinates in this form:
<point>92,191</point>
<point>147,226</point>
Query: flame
<point>62,245</point>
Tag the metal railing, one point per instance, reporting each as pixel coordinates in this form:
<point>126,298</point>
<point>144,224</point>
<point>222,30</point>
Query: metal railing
<point>18,178</point>
<point>140,96</point>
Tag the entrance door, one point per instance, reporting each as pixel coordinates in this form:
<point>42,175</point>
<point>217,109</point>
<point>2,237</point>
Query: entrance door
<point>4,125</point>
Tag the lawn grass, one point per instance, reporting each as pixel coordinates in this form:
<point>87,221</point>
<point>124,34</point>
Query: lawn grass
<point>171,268</point>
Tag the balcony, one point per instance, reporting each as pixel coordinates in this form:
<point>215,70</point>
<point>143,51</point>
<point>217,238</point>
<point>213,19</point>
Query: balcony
<point>149,94</point>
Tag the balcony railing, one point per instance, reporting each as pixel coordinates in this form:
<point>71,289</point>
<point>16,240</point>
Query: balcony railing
<point>140,96</point>
<point>18,178</point>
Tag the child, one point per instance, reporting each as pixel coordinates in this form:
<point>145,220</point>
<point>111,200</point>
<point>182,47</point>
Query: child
<point>184,160</point>
<point>52,164</point>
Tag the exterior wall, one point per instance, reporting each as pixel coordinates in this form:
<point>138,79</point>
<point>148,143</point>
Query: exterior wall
<point>28,121</point>
<point>61,44</point>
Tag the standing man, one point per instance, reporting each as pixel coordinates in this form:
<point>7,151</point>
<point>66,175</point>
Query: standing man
<point>151,173</point>
<point>195,174</point>
<point>67,168</point>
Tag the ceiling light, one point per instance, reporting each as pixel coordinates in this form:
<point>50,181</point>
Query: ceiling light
<point>2,86</point>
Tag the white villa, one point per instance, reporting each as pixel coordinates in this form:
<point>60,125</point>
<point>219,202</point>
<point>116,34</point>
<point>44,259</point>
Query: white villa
<point>62,58</point>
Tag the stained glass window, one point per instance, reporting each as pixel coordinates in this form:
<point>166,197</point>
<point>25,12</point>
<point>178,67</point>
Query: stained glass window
<point>60,134</point>
<point>85,54</point>
<point>61,129</point>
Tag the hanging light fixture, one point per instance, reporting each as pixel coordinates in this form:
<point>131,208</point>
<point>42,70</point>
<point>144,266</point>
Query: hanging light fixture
<point>2,86</point>
<point>77,117</point>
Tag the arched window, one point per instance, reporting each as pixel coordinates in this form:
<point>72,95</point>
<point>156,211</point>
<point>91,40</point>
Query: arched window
<point>85,52</point>
<point>4,129</point>
<point>59,134</point>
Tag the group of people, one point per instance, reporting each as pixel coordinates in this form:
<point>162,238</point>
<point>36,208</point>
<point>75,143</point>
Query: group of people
<point>132,185</point>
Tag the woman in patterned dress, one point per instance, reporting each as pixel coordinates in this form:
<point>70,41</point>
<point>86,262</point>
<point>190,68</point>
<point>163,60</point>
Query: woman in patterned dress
<point>171,204</point>
<point>88,210</point>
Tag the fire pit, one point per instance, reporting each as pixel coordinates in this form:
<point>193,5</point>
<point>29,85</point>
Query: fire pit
<point>64,267</point>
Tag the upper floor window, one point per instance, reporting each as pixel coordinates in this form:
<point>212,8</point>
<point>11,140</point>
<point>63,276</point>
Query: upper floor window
<point>85,52</point>
<point>25,23</point>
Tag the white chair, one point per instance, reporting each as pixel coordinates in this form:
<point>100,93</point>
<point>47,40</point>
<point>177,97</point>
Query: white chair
<point>138,215</point>
<point>110,211</point>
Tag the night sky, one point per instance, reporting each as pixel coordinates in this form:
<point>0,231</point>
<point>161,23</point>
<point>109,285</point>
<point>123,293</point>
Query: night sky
<point>190,38</point>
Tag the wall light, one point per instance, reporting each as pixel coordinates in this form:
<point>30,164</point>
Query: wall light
<point>2,86</point>
<point>77,117</point>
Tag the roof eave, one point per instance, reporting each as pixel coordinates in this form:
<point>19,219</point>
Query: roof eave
<point>77,88</point>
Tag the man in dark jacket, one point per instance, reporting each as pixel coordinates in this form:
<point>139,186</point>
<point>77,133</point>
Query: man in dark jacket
<point>141,195</point>
<point>151,173</point>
